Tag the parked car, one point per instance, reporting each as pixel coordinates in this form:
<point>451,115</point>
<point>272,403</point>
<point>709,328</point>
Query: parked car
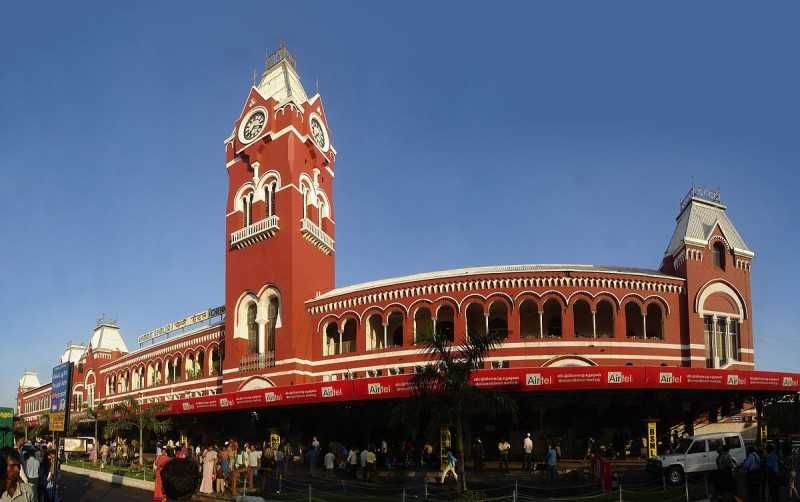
<point>697,454</point>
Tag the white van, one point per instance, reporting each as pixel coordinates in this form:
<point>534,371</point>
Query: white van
<point>699,454</point>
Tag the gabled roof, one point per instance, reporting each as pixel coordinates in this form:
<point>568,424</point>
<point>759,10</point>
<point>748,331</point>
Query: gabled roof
<point>696,223</point>
<point>280,79</point>
<point>106,336</point>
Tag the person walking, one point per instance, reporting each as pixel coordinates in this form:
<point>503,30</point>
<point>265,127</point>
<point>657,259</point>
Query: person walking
<point>477,453</point>
<point>352,462</point>
<point>32,471</point>
<point>503,448</point>
<point>364,454</point>
<point>209,460</point>
<point>551,460</point>
<point>772,473</point>
<point>450,466</point>
<point>752,469</point>
<point>158,488</point>
<point>330,463</point>
<point>527,453</point>
<point>372,464</point>
<point>724,482</point>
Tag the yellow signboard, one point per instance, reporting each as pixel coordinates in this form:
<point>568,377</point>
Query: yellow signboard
<point>57,419</point>
<point>652,440</point>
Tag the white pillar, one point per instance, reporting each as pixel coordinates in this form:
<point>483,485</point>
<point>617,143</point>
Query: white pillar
<point>541,324</point>
<point>340,340</point>
<point>594,324</point>
<point>305,209</point>
<point>644,325</point>
<point>714,344</point>
<point>385,335</point>
<point>486,324</point>
<point>261,337</point>
<point>433,319</point>
<point>269,201</point>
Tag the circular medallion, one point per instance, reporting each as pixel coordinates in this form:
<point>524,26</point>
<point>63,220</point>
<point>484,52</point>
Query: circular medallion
<point>318,132</point>
<point>252,125</point>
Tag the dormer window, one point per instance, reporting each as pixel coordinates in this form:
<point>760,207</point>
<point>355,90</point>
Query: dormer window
<point>719,255</point>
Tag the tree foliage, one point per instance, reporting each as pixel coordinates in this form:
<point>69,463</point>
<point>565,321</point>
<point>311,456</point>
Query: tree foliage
<point>130,415</point>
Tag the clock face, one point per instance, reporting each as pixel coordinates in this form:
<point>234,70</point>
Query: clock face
<point>253,125</point>
<point>319,134</point>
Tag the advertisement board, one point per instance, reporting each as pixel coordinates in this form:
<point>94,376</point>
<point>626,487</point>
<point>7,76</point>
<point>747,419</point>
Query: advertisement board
<point>60,397</point>
<point>652,439</point>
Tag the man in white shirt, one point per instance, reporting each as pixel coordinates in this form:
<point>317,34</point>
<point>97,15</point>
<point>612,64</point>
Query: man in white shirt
<point>352,462</point>
<point>364,454</point>
<point>527,451</point>
<point>330,460</point>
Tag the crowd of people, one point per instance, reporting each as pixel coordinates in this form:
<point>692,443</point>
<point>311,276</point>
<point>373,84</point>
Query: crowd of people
<point>767,473</point>
<point>28,473</point>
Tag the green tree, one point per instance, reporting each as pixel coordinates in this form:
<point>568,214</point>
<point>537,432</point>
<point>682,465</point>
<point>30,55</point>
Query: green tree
<point>443,393</point>
<point>131,415</point>
<point>96,414</point>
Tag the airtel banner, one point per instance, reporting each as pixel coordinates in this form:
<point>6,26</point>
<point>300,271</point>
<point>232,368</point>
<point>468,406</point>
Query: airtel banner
<point>508,379</point>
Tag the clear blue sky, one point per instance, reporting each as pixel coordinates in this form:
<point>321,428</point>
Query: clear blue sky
<point>468,134</point>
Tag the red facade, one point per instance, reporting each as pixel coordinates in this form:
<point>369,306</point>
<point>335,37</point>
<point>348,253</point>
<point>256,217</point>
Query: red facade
<point>285,324</point>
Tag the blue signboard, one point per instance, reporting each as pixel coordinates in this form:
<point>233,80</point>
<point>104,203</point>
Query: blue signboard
<point>59,399</point>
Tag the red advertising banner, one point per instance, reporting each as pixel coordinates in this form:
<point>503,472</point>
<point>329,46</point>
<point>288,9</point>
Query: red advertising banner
<point>507,379</point>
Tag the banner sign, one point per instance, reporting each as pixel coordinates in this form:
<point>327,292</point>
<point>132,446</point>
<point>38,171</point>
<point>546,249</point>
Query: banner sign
<point>60,397</point>
<point>506,379</point>
<point>652,440</point>
<point>182,323</point>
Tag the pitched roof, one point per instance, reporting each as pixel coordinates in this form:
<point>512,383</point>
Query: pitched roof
<point>696,223</point>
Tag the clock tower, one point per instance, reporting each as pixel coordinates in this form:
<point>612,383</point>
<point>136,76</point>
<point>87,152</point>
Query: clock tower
<point>279,240</point>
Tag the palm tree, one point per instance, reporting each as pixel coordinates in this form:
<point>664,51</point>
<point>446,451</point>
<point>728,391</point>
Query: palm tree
<point>96,414</point>
<point>443,393</point>
<point>129,414</point>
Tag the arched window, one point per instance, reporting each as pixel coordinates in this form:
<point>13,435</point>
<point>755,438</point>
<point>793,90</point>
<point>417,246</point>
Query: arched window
<point>655,321</point>
<point>199,364</point>
<point>634,321</point>
<point>247,209</point>
<point>529,322</point>
<point>331,339</point>
<point>476,322</point>
<point>269,197</point>
<point>348,337</point>
<point>498,319</point>
<point>215,361</point>
<point>552,318</point>
<point>176,368</point>
<point>604,319</point>
<point>272,323</point>
<point>582,319</point>
<point>394,328</point>
<point>445,322</point>
<point>719,255</point>
<point>423,325</point>
<point>252,328</point>
<point>375,332</point>
<point>189,367</point>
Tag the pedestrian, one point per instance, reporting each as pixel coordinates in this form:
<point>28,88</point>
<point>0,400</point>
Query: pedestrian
<point>180,479</point>
<point>32,471</point>
<point>503,448</point>
<point>104,450</point>
<point>13,488</point>
<point>589,449</point>
<point>352,462</point>
<point>477,452</point>
<point>330,462</point>
<point>364,454</point>
<point>450,466</point>
<point>792,480</point>
<point>551,460</point>
<point>527,453</point>
<point>158,464</point>
<point>209,463</point>
<point>253,463</point>
<point>44,474</point>
<point>724,483</point>
<point>772,473</point>
<point>372,464</point>
<point>752,469</point>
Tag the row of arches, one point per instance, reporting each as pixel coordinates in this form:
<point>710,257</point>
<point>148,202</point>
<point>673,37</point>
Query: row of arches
<point>533,318</point>
<point>38,404</point>
<point>171,369</point>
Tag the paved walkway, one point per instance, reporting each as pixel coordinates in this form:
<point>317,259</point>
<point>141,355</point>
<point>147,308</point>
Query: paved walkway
<point>79,488</point>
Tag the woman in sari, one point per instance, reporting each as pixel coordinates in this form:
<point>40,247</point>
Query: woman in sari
<point>209,470</point>
<point>158,488</point>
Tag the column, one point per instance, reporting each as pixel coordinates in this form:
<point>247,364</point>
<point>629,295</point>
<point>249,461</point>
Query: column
<point>261,337</point>
<point>339,331</point>
<point>644,325</point>
<point>541,324</point>
<point>433,321</point>
<point>594,324</point>
<point>269,201</point>
<point>385,335</point>
<point>726,342</point>
<point>714,347</point>
<point>486,323</point>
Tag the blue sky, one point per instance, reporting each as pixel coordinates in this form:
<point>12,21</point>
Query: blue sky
<point>468,134</point>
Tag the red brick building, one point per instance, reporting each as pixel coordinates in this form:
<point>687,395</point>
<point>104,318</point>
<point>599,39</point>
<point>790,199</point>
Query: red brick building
<point>285,323</point>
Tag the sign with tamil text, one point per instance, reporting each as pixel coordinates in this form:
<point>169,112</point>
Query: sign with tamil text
<point>182,323</point>
<point>60,397</point>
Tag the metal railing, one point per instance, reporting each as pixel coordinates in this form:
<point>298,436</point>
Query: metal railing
<point>316,235</point>
<point>257,361</point>
<point>255,232</point>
